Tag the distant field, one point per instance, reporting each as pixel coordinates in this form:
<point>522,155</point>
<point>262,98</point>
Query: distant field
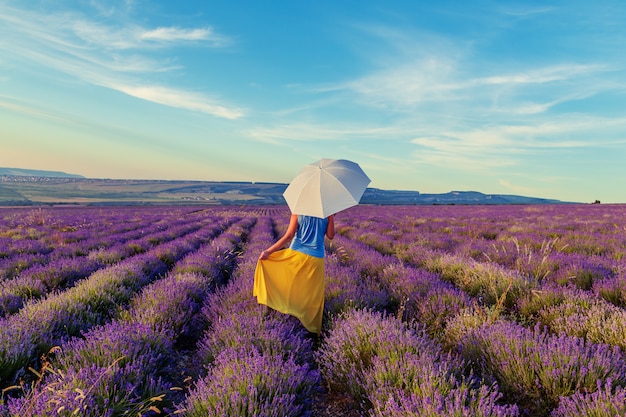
<point>89,191</point>
<point>86,191</point>
<point>8,194</point>
<point>429,310</point>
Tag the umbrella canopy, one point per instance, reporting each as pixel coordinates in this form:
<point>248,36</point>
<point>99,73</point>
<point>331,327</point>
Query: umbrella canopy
<point>326,187</point>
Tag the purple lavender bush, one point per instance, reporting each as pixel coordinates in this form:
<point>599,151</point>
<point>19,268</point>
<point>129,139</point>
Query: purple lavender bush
<point>14,292</point>
<point>351,252</point>
<point>534,368</point>
<point>13,266</point>
<point>423,297</point>
<point>356,339</point>
<point>529,306</point>
<point>490,283</point>
<point>279,336</point>
<point>582,270</point>
<point>115,369</point>
<point>39,280</point>
<point>421,385</point>
<point>582,314</point>
<point>248,384</point>
<point>605,401</point>
<point>346,289</point>
<point>171,304</point>
<point>40,326</point>
<point>234,296</point>
<point>613,289</point>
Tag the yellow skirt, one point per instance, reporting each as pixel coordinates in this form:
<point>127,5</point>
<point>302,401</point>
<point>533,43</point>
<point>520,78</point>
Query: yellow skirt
<point>292,283</point>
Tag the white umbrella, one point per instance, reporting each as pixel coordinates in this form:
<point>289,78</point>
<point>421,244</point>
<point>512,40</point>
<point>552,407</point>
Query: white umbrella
<point>326,187</point>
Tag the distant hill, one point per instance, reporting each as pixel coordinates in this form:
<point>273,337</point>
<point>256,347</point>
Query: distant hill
<point>35,173</point>
<point>34,187</point>
<point>453,197</point>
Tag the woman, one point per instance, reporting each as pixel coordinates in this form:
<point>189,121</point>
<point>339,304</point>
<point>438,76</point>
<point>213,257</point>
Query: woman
<point>292,280</point>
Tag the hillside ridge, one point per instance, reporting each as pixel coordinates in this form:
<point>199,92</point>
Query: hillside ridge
<point>35,187</point>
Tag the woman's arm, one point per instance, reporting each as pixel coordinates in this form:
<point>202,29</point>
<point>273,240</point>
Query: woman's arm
<point>330,229</point>
<point>289,234</point>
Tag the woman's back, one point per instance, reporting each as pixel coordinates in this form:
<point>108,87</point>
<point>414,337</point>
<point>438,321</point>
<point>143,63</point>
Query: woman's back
<point>309,237</point>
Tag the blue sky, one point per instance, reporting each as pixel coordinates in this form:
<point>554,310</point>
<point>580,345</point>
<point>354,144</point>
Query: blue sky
<point>515,97</point>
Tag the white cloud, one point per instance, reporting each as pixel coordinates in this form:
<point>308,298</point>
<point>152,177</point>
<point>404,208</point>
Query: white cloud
<point>173,34</point>
<point>462,154</point>
<point>540,75</point>
<point>180,99</point>
<point>413,69</point>
<point>506,145</point>
<point>441,80</point>
<point>132,36</point>
<point>406,85</point>
<point>301,132</point>
<point>100,54</point>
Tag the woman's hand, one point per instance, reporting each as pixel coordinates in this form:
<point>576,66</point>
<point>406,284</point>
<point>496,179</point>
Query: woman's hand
<point>289,234</point>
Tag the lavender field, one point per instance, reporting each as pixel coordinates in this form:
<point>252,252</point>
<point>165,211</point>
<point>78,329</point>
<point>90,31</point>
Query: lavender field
<point>430,311</point>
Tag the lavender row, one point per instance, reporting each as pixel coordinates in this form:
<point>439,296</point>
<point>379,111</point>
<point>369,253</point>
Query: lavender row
<point>540,372</point>
<point>417,285</point>
<point>129,366</point>
<point>452,278</point>
<point>384,283</point>
<point>394,240</point>
<point>39,280</point>
<point>58,233</point>
<point>391,370</point>
<point>463,273</point>
<point>564,310</point>
<point>578,244</point>
<point>53,242</point>
<point>574,312</point>
<point>386,368</point>
<point>256,365</point>
<point>42,325</point>
<point>63,247</point>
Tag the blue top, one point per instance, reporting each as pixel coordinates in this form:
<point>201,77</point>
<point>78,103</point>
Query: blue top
<point>309,237</point>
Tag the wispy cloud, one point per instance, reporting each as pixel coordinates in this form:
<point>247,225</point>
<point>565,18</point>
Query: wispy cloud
<point>412,69</point>
<point>116,55</point>
<point>180,99</point>
<point>173,34</point>
<point>443,80</point>
<point>541,75</point>
<point>14,105</point>
<point>311,132</point>
<point>527,11</point>
<point>133,36</point>
<point>462,108</point>
<point>504,145</point>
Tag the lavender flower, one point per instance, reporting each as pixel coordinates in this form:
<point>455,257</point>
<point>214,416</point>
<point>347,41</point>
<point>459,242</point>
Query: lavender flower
<point>607,400</point>
<point>244,383</point>
<point>612,289</point>
<point>356,339</point>
<point>424,297</point>
<point>412,385</point>
<point>345,289</point>
<point>583,315</point>
<point>536,368</point>
<point>279,336</point>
